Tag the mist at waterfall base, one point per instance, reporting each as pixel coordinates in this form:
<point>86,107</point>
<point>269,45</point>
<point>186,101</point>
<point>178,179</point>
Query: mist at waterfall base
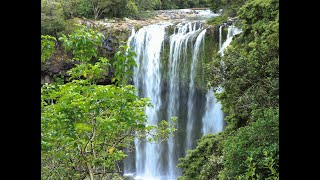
<point>169,72</point>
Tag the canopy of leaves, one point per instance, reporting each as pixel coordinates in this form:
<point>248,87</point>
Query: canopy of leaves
<point>205,160</point>
<point>47,46</point>
<point>52,18</point>
<point>228,7</point>
<point>84,126</point>
<point>248,74</point>
<point>255,145</point>
<point>83,43</point>
<point>85,122</point>
<point>250,69</point>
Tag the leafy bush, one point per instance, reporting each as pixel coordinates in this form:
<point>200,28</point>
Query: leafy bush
<point>52,18</point>
<point>83,43</point>
<point>253,150</point>
<point>47,47</point>
<point>205,160</point>
<point>85,126</point>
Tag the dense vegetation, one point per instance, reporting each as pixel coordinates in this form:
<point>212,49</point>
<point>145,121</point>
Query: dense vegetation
<point>85,127</point>
<point>78,115</point>
<point>57,15</point>
<point>249,76</point>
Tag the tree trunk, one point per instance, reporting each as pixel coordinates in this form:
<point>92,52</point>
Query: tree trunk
<point>90,171</point>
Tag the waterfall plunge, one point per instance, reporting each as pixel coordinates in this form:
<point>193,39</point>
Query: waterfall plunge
<point>147,45</point>
<point>171,96</point>
<point>213,118</point>
<point>232,31</point>
<point>190,122</point>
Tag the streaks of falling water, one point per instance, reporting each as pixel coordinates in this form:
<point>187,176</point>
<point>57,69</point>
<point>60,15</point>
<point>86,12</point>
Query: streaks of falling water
<point>184,47</point>
<point>178,50</point>
<point>191,100</point>
<point>212,121</point>
<point>147,45</point>
<point>232,31</point>
<point>220,36</point>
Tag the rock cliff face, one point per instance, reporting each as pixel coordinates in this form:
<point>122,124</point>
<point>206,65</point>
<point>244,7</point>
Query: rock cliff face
<point>119,30</point>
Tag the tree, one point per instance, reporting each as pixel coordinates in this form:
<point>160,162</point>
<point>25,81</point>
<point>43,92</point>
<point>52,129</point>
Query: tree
<point>83,43</point>
<point>229,7</point>
<point>52,18</point>
<point>249,73</point>
<point>146,4</point>
<point>205,161</point>
<point>253,151</point>
<point>47,47</point>
<point>85,126</point>
<point>99,6</point>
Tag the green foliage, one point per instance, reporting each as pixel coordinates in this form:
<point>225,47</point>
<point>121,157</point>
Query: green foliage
<point>205,160</point>
<point>58,80</point>
<point>268,163</point>
<point>124,61</point>
<point>217,20</point>
<point>248,74</point>
<point>166,4</point>
<point>89,124</point>
<point>249,71</point>
<point>229,8</point>
<point>47,47</point>
<point>83,43</point>
<point>85,8</point>
<point>146,4</point>
<point>85,126</point>
<point>178,4</point>
<point>52,18</point>
<point>100,6</point>
<point>117,8</point>
<point>73,8</point>
<point>255,148</point>
<point>132,8</point>
<point>69,7</point>
<point>260,21</point>
<point>92,73</point>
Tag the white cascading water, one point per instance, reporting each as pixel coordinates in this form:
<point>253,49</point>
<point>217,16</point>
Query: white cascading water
<point>147,45</point>
<point>190,119</point>
<point>172,94</point>
<point>220,36</point>
<point>178,49</point>
<point>232,31</point>
<point>212,121</point>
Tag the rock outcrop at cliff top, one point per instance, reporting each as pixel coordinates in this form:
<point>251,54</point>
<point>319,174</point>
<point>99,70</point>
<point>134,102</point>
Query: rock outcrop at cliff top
<point>120,30</point>
<point>175,15</point>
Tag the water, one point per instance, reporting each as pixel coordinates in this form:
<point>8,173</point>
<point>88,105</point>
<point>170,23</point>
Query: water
<point>184,34</point>
<point>212,121</point>
<point>191,119</point>
<point>232,31</point>
<point>147,45</point>
<point>220,36</point>
<point>168,73</point>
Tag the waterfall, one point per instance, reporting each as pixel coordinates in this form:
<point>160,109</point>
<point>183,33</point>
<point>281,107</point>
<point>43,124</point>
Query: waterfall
<point>232,31</point>
<point>167,72</point>
<point>220,36</point>
<point>147,45</point>
<point>178,49</point>
<point>133,32</point>
<point>212,121</point>
<point>190,121</point>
